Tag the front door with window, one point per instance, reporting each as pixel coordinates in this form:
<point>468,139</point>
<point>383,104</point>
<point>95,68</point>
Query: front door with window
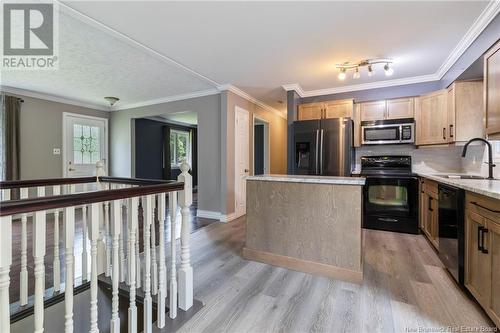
<point>85,143</point>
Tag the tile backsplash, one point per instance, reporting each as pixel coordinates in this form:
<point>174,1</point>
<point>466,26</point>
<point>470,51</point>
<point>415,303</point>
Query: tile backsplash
<point>439,159</point>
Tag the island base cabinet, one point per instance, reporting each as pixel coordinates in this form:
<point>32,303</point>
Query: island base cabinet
<point>494,249</point>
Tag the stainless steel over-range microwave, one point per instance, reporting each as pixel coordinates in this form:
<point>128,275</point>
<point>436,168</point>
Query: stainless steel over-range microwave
<point>388,131</point>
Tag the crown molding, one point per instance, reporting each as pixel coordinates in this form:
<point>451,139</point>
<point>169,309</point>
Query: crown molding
<point>241,93</point>
<point>363,86</point>
<point>52,98</point>
<point>101,26</point>
<point>486,16</point>
<point>166,99</point>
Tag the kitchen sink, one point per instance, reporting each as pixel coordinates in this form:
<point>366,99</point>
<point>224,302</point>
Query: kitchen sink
<point>461,176</point>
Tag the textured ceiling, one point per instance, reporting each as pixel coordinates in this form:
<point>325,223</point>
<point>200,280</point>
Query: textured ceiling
<point>256,46</point>
<point>94,64</point>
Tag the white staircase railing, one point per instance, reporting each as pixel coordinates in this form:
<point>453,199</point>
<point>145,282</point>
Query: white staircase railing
<point>110,210</point>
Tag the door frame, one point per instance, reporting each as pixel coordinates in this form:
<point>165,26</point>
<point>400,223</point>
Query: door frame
<point>64,134</point>
<point>235,163</point>
<point>267,145</point>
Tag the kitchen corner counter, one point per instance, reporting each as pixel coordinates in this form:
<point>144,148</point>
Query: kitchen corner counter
<point>310,179</point>
<point>489,188</point>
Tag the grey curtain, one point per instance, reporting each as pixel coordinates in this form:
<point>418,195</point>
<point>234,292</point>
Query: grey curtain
<point>9,138</point>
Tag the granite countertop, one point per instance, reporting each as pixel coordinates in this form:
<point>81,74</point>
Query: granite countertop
<point>489,188</point>
<point>310,179</point>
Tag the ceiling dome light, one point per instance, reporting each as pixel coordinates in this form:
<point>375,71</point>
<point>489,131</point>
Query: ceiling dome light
<point>356,74</point>
<point>388,70</point>
<point>371,72</point>
<point>111,100</point>
<point>342,74</point>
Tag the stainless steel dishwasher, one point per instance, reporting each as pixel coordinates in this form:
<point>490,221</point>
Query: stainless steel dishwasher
<point>452,230</point>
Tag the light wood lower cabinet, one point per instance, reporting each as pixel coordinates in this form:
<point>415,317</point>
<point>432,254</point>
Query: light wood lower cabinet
<point>482,255</point>
<point>429,211</point>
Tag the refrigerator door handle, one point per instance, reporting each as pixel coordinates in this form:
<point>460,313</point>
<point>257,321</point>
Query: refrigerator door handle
<point>321,156</point>
<point>316,164</point>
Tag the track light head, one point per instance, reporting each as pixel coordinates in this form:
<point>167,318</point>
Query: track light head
<point>371,72</point>
<point>342,74</point>
<point>388,70</point>
<point>356,74</point>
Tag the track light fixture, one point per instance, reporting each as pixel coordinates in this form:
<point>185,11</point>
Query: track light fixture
<point>369,63</point>
<point>342,74</point>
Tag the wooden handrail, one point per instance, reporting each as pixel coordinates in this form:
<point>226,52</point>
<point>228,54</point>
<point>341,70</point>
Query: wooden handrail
<point>12,207</point>
<point>9,184</point>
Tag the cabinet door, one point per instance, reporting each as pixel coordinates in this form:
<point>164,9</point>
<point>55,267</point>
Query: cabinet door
<point>433,220</point>
<point>356,117</point>
<point>400,108</point>
<point>338,109</point>
<point>432,118</point>
<point>493,246</point>
<point>310,111</point>
<point>492,90</point>
<point>373,110</point>
<point>450,106</point>
<point>478,267</point>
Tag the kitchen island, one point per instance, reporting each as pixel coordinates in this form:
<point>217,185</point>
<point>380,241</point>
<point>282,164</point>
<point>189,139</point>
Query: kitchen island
<point>306,223</point>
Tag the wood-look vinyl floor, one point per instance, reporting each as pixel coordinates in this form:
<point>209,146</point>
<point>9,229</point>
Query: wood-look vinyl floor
<point>405,289</point>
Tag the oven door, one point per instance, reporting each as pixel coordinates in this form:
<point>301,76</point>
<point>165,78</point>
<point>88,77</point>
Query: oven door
<point>391,203</point>
<point>381,134</point>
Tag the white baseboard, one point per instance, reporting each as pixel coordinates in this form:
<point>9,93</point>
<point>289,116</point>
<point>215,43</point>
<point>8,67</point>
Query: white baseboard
<point>207,214</point>
<point>227,218</point>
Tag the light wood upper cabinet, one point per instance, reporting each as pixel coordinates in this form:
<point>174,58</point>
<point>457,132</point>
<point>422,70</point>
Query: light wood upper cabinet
<point>400,108</point>
<point>465,110</point>
<point>339,109</point>
<point>310,111</point>
<point>326,110</point>
<point>431,118</point>
<point>373,110</point>
<point>492,91</point>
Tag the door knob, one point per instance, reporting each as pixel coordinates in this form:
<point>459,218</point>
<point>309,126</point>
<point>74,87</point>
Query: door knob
<point>247,171</point>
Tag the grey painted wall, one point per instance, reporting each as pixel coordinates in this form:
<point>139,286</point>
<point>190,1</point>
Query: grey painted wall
<point>41,131</point>
<point>209,152</point>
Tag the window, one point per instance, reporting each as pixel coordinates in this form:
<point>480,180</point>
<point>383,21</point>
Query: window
<point>86,146</point>
<point>180,147</point>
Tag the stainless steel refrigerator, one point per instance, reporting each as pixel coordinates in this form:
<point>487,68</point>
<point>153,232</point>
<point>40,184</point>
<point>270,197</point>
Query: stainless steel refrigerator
<point>323,147</point>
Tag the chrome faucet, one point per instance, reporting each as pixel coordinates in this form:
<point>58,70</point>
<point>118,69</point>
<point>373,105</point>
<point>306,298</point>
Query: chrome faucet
<point>490,155</point>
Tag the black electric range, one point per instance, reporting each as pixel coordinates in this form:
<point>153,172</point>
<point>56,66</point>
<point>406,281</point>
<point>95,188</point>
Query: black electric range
<point>390,194</point>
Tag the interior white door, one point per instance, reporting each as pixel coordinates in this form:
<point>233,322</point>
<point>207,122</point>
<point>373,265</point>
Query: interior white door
<point>85,143</point>
<point>242,160</point>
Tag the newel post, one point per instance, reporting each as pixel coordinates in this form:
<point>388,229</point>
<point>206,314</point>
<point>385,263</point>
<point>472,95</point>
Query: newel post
<point>186,270</point>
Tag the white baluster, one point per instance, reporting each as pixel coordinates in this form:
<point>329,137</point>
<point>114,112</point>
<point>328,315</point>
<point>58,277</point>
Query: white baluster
<point>121,252</point>
<point>85,258</point>
<point>147,205</point>
<point>39,220</point>
<point>154,266</point>
<point>5,262</point>
<point>5,194</point>
<point>172,204</point>
<point>185,271</point>
<point>56,269</point>
<point>69,240</point>
<point>161,262</point>
<point>107,239</point>
<point>133,228</point>
<point>129,245</point>
<point>94,237</point>
<point>23,275</point>
<point>115,276</point>
<point>138,275</point>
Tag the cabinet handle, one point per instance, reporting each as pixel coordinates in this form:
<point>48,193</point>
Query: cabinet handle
<point>483,231</point>
<point>430,204</point>
<point>451,131</point>
<point>486,208</point>
<point>479,238</point>
<point>444,133</point>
